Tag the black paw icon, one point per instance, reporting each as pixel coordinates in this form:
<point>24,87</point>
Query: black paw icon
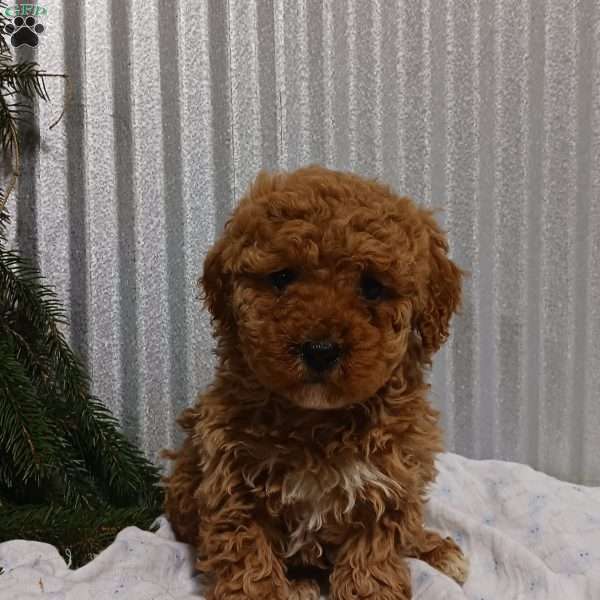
<point>24,31</point>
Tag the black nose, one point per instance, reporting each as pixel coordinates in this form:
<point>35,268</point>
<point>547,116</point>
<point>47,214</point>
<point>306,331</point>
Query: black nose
<point>320,356</point>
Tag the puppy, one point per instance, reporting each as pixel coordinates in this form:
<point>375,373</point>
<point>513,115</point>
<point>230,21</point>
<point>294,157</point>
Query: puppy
<point>315,444</point>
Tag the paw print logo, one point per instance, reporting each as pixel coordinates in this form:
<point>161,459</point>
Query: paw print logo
<point>24,31</point>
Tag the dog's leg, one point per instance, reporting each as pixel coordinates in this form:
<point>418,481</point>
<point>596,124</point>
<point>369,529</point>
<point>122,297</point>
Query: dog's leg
<point>180,506</point>
<point>369,566</point>
<point>243,566</point>
<point>444,555</point>
<point>237,554</point>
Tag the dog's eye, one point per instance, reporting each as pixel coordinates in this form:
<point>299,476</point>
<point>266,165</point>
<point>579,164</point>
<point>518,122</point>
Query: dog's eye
<point>281,279</point>
<point>370,288</point>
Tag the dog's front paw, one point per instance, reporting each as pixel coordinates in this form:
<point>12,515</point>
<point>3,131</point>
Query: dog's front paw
<point>448,558</point>
<point>375,582</point>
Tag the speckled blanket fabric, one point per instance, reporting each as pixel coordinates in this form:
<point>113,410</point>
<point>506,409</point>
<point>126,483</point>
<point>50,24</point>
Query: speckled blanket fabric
<point>528,536</point>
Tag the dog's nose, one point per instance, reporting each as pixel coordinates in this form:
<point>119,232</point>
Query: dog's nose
<point>320,356</point>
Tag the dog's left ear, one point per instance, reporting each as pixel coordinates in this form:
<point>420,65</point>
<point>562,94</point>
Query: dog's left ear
<point>442,292</point>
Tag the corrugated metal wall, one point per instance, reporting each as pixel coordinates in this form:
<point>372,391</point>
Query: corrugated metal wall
<point>488,109</point>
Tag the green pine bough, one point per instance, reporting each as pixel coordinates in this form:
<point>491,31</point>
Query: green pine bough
<point>78,535</point>
<point>21,85</point>
<point>68,476</point>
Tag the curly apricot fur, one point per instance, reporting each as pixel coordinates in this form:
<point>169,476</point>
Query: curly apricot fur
<point>280,468</point>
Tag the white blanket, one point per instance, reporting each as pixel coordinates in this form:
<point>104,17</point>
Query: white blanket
<point>528,536</point>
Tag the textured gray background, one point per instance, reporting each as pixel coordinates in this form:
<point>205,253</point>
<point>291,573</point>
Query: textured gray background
<point>488,109</point>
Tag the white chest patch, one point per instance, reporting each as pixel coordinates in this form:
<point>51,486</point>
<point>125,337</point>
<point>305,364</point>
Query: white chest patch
<point>329,490</point>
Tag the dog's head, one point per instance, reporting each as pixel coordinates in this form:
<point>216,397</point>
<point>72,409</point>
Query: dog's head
<point>323,279</point>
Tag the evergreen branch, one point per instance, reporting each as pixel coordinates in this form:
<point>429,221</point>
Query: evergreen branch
<point>64,474</point>
<point>73,481</point>
<point>21,282</point>
<point>4,220</point>
<point>9,133</point>
<point>24,432</point>
<point>4,49</point>
<point>124,474</point>
<point>7,480</point>
<point>27,82</point>
<point>16,171</point>
<point>25,79</point>
<point>65,464</point>
<point>78,534</point>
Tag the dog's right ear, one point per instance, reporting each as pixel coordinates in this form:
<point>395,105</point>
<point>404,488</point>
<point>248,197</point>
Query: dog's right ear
<point>215,283</point>
<point>443,289</point>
